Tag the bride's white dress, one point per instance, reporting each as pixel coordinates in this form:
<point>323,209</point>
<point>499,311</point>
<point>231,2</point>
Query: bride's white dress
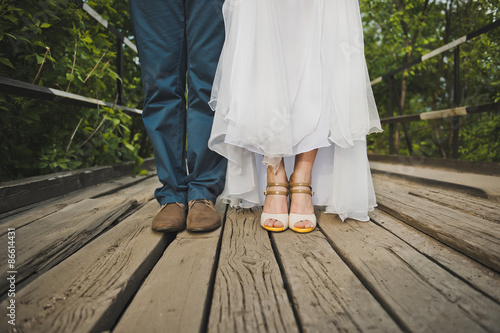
<point>291,78</point>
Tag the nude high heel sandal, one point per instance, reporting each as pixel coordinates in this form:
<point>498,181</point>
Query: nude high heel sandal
<point>294,218</point>
<point>283,218</point>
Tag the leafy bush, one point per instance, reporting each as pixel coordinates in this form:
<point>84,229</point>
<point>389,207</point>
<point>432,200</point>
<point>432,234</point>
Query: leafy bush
<point>398,32</point>
<point>56,44</point>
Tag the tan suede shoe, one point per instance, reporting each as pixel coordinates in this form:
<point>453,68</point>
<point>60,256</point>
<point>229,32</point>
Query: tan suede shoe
<point>170,218</point>
<point>202,216</point>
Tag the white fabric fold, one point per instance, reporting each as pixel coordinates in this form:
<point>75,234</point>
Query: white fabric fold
<point>292,77</point>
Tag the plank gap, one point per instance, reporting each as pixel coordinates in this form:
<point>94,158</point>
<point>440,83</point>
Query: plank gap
<point>456,207</point>
<point>45,244</point>
<point>175,291</point>
<point>170,237</point>
<point>432,300</point>
<point>476,238</point>
<point>371,289</point>
<point>249,294</point>
<point>124,186</point>
<point>487,208</point>
<point>286,283</point>
<point>211,283</point>
<point>437,262</point>
<point>37,211</point>
<point>86,292</point>
<point>129,212</point>
<point>473,191</point>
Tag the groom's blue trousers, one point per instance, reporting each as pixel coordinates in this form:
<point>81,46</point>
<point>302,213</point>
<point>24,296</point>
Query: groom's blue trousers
<point>179,43</point>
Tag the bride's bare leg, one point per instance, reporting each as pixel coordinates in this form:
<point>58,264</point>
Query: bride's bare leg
<point>301,203</point>
<point>276,204</point>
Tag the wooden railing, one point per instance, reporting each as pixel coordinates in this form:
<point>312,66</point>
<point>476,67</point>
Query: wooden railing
<point>455,111</point>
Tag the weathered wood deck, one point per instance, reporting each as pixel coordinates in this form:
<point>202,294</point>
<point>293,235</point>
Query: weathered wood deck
<point>429,261</point>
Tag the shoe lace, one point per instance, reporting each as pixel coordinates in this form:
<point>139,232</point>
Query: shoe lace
<point>170,203</point>
<point>206,202</point>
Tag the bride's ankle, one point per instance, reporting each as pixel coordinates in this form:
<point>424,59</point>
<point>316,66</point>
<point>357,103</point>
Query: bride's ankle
<point>300,178</point>
<point>300,195</point>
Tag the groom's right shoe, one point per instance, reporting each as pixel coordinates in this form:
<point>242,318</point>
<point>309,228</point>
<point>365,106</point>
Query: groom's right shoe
<point>202,216</point>
<point>170,218</point>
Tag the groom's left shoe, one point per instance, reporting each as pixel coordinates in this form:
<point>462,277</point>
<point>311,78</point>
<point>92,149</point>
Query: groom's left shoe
<point>202,216</point>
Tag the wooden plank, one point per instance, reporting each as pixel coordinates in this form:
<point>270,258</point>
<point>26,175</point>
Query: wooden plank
<point>480,207</point>
<point>327,294</point>
<point>141,192</point>
<point>46,242</point>
<point>39,210</point>
<point>19,193</point>
<point>475,185</point>
<point>249,295</point>
<point>27,191</point>
<point>420,295</point>
<point>50,240</point>
<point>444,48</point>
<point>479,276</point>
<point>446,113</point>
<point>88,291</point>
<point>441,114</point>
<point>477,238</point>
<point>484,168</point>
<point>376,80</point>
<point>184,275</point>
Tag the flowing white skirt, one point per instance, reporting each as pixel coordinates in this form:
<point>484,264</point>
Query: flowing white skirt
<point>291,78</point>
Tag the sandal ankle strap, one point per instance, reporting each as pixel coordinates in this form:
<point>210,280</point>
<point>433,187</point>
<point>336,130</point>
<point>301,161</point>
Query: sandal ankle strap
<point>285,185</point>
<point>266,192</point>
<point>300,184</point>
<point>309,191</point>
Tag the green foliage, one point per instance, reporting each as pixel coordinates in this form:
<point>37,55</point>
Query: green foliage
<point>397,32</point>
<point>54,43</point>
<point>481,138</point>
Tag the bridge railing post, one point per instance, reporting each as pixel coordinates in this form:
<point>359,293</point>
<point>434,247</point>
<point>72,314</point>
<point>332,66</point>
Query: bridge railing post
<point>403,124</point>
<point>392,148</point>
<point>456,101</point>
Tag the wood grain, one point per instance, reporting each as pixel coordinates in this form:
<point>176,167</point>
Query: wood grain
<point>173,298</point>
<point>327,294</point>
<point>477,238</point>
<point>479,207</point>
<point>39,210</point>
<point>50,240</point>
<point>472,205</point>
<point>26,191</point>
<point>23,192</point>
<point>249,295</point>
<point>88,291</point>
<point>479,276</point>
<point>420,295</point>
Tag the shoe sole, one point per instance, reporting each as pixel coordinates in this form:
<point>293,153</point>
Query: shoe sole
<point>168,229</point>
<point>274,229</point>
<point>303,230</point>
<point>203,229</point>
